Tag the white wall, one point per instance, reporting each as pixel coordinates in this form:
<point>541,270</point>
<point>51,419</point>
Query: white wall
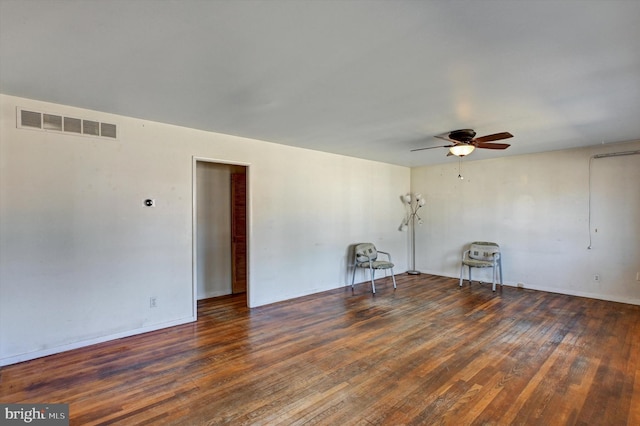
<point>80,255</point>
<point>537,208</point>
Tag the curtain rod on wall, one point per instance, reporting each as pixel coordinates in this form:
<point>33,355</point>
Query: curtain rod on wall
<point>616,154</point>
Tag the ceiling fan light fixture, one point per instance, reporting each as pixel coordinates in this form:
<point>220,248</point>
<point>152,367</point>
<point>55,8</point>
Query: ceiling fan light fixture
<point>462,149</point>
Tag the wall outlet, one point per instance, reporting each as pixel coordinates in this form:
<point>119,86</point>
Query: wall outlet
<point>153,302</point>
<point>637,276</point>
<point>596,277</point>
<point>520,285</point>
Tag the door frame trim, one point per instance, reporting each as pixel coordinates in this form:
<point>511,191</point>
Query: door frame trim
<point>194,225</point>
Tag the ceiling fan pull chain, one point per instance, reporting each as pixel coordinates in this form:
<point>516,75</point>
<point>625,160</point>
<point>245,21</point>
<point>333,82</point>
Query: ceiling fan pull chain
<point>460,168</point>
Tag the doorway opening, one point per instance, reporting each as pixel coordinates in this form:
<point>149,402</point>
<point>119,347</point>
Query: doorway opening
<point>220,229</point>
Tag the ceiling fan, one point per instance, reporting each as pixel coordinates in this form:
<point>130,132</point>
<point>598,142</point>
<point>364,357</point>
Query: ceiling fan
<point>464,142</point>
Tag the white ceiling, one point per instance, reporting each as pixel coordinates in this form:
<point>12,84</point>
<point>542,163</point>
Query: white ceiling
<point>370,79</point>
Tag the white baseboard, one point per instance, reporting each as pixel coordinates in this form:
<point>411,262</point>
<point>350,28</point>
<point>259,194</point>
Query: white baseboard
<point>605,297</point>
<point>210,294</point>
<point>63,348</point>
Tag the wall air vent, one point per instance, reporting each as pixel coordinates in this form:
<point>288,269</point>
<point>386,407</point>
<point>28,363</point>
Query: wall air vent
<point>108,130</point>
<point>52,122</point>
<point>72,125</point>
<point>57,123</point>
<point>31,119</point>
<point>90,127</point>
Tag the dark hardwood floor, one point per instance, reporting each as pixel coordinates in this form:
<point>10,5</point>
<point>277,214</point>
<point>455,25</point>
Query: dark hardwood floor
<point>427,353</point>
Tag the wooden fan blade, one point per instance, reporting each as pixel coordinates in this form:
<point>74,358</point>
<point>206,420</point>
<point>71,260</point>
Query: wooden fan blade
<point>494,137</point>
<point>431,147</point>
<point>492,145</point>
<point>445,138</point>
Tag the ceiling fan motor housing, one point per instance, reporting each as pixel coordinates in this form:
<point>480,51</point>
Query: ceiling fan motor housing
<point>463,135</point>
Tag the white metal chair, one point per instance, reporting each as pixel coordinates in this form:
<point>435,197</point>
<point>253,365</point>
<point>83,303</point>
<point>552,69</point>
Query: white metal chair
<point>366,256</point>
<point>482,254</point>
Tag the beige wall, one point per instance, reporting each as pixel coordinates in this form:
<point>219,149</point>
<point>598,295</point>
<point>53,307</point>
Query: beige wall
<point>537,208</point>
<point>80,256</point>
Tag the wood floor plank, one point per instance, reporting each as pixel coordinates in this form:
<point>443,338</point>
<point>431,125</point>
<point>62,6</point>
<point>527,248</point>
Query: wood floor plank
<point>428,352</point>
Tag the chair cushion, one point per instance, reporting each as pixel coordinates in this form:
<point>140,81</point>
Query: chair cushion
<point>378,264</point>
<point>476,263</point>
